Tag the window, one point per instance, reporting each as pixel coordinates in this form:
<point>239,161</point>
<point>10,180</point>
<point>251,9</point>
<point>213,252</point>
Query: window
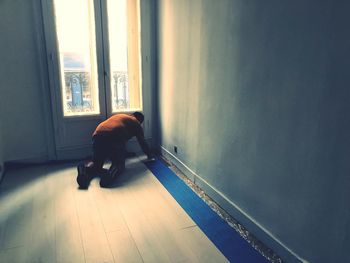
<point>76,31</point>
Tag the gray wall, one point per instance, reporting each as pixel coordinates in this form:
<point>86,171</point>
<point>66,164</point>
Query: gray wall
<point>255,95</point>
<point>23,102</point>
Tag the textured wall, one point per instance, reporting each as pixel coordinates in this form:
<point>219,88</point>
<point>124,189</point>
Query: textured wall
<point>255,96</point>
<point>22,100</point>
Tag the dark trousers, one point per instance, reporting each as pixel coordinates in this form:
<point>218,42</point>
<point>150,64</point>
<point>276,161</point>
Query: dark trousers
<point>105,147</point>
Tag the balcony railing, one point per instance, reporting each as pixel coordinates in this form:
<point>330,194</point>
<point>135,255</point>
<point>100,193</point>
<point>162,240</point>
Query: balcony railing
<point>120,90</point>
<point>78,93</point>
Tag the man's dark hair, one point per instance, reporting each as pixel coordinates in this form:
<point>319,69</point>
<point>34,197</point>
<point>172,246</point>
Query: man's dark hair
<point>139,116</point>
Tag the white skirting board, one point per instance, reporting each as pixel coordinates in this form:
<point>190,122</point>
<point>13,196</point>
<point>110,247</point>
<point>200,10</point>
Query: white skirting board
<point>234,210</point>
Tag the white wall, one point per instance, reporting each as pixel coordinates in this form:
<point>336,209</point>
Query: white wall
<point>255,95</point>
<point>24,103</point>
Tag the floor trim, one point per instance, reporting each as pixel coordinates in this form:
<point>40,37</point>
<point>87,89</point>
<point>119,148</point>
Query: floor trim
<point>246,220</point>
<point>224,237</point>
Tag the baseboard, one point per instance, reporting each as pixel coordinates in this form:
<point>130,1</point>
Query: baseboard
<point>33,158</point>
<point>233,209</point>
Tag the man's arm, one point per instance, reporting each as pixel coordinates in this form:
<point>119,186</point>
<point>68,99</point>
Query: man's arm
<point>143,144</point>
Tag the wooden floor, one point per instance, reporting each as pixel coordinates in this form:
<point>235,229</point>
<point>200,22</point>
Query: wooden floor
<point>44,217</point>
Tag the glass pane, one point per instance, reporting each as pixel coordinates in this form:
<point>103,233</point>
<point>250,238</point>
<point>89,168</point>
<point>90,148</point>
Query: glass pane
<point>75,27</point>
<point>124,54</point>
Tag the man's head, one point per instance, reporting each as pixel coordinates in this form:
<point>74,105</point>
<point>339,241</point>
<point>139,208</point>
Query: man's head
<point>139,116</point>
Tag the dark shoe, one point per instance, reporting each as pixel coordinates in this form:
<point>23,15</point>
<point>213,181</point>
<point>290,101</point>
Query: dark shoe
<point>108,178</point>
<point>83,179</point>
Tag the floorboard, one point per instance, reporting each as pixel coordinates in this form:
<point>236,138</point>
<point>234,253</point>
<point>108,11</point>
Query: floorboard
<point>46,218</point>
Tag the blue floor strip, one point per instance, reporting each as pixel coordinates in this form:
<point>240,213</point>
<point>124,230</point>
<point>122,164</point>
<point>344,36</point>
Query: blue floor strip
<point>225,238</point>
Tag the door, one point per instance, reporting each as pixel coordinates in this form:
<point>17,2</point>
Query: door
<point>94,66</point>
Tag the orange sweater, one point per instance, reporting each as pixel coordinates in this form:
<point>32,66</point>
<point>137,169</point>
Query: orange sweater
<point>123,127</point>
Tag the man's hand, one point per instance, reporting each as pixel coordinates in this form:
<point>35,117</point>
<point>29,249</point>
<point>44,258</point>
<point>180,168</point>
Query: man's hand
<point>151,157</point>
<point>147,158</point>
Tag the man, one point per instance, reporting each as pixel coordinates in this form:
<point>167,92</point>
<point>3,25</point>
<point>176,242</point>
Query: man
<point>109,141</point>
